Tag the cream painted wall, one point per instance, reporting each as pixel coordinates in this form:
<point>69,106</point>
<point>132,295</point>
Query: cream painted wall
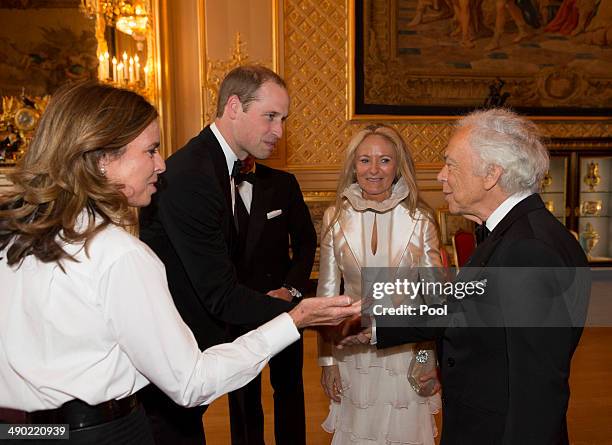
<point>213,23</point>
<point>252,18</point>
<point>183,70</point>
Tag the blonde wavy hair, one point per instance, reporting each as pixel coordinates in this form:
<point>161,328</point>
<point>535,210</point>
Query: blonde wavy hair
<point>59,176</point>
<point>405,170</point>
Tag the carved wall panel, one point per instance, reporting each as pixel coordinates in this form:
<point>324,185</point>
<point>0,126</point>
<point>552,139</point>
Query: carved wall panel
<point>316,57</point>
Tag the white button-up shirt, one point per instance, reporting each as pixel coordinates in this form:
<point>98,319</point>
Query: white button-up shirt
<point>107,326</point>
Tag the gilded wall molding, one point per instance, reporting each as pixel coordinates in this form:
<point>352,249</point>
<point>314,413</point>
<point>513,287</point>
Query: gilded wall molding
<point>216,71</point>
<point>317,57</point>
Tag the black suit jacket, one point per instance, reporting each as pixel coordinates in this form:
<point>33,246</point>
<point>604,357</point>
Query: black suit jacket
<point>509,385</point>
<point>266,264</point>
<point>190,227</point>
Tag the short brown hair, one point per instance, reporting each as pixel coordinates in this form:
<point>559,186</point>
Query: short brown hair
<point>59,176</point>
<point>244,82</point>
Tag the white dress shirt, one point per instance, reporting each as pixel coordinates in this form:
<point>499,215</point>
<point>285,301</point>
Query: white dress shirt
<point>230,158</point>
<point>107,326</point>
<point>245,188</point>
<point>504,208</point>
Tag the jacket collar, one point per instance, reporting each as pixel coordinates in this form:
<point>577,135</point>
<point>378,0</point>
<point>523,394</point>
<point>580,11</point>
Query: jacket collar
<point>484,251</point>
<point>401,231</point>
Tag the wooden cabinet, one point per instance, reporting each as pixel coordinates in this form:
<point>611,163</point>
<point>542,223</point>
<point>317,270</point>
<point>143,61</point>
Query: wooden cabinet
<point>578,191</point>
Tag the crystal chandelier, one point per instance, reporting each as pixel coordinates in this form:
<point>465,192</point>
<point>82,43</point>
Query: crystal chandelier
<point>128,16</point>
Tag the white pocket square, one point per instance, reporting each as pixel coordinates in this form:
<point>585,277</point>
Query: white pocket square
<point>274,213</point>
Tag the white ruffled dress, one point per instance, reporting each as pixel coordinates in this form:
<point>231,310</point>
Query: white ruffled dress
<point>378,406</point>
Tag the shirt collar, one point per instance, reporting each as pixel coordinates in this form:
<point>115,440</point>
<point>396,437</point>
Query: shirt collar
<point>230,156</point>
<point>499,213</point>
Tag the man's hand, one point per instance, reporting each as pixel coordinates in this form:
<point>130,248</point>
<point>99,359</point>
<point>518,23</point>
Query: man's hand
<point>281,293</point>
<point>324,311</point>
<point>362,338</point>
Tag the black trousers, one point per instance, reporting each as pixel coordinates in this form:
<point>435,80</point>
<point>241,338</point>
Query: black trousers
<point>172,424</point>
<point>246,413</point>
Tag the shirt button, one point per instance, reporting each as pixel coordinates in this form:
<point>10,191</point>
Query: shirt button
<point>451,362</point>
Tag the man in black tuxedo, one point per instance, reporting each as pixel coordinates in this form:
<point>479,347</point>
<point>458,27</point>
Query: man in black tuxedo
<point>506,384</point>
<point>277,218</point>
<point>192,225</point>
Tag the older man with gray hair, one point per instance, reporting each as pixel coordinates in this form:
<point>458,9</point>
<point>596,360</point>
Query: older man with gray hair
<point>505,379</point>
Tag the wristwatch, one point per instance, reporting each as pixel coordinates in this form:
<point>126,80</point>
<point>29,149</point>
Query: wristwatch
<point>293,291</point>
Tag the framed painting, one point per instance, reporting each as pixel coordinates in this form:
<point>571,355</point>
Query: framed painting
<point>546,58</point>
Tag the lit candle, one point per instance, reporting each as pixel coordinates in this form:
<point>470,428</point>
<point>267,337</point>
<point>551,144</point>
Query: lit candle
<point>106,66</point>
<point>125,63</point>
<point>137,62</point>
<point>146,75</point>
<point>101,67</point>
<point>131,70</point>
<point>120,71</point>
<point>114,69</point>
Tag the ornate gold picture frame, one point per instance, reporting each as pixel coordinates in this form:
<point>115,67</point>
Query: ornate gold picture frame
<point>426,58</point>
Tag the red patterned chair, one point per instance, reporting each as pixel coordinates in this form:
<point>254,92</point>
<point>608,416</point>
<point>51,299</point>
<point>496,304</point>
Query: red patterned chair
<point>464,244</point>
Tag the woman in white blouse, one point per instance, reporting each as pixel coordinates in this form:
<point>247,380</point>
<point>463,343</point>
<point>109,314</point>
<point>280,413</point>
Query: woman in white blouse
<point>86,319</point>
<point>378,220</point>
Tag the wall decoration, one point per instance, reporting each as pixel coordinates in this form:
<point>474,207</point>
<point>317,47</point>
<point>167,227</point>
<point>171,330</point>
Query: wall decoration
<point>318,59</point>
<point>18,119</point>
<point>44,44</point>
<point>440,57</point>
<point>591,208</point>
<point>592,177</point>
<point>589,238</point>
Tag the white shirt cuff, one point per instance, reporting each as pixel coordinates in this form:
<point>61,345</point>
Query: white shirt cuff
<point>279,332</point>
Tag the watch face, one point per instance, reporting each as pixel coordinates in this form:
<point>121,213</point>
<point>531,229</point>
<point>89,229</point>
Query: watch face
<point>26,119</point>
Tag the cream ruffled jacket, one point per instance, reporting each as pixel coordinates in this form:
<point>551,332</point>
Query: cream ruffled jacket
<point>402,241</point>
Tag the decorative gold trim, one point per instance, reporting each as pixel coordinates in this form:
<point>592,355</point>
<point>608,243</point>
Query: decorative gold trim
<point>277,38</point>
<point>573,144</point>
<point>203,59</point>
<point>163,77</point>
<point>216,71</point>
<point>350,96</point>
<point>319,196</point>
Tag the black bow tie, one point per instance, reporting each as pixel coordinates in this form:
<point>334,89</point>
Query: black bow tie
<point>239,176</point>
<point>481,232</point>
<point>248,177</point>
<point>236,169</point>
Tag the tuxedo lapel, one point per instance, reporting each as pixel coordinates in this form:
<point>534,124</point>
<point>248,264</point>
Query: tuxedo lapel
<point>262,197</point>
<point>219,163</point>
<point>221,172</point>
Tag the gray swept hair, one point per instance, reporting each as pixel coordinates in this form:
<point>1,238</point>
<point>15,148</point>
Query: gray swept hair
<point>501,137</point>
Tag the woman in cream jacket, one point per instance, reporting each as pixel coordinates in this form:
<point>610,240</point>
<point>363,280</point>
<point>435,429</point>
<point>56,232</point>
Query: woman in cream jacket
<point>378,220</point>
